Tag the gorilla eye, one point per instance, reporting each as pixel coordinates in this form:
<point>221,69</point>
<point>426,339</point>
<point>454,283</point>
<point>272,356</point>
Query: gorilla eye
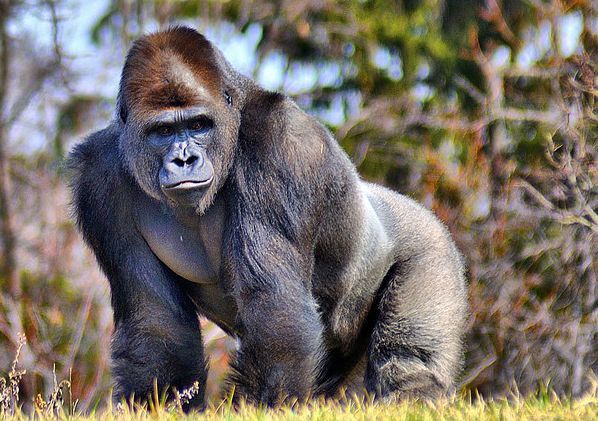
<point>165,131</point>
<point>201,124</point>
<point>196,125</point>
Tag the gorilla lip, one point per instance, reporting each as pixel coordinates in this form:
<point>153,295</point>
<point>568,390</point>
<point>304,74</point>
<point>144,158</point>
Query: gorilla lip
<point>188,184</point>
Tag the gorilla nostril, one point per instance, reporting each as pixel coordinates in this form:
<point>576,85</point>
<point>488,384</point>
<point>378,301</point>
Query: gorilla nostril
<point>184,162</point>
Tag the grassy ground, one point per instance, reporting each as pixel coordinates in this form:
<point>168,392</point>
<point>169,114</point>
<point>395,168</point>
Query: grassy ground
<point>543,407</point>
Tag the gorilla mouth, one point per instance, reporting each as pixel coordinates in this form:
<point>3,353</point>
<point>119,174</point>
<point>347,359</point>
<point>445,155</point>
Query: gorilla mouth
<point>188,184</point>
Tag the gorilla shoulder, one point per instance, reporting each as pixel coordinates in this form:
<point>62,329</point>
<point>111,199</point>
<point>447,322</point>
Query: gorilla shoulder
<point>98,181</point>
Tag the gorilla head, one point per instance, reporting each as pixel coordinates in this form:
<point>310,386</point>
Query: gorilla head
<point>179,121</point>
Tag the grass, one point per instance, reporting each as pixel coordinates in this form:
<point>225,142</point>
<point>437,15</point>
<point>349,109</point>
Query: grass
<point>537,408</point>
<point>544,406</point>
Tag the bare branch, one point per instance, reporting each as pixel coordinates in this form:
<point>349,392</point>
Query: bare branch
<point>474,92</point>
<point>29,93</point>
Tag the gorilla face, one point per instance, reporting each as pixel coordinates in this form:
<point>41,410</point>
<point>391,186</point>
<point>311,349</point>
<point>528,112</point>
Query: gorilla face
<point>181,139</point>
<point>181,155</point>
<point>179,123</point>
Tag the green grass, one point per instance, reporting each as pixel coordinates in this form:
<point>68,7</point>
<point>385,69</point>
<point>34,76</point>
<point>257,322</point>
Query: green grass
<point>544,407</point>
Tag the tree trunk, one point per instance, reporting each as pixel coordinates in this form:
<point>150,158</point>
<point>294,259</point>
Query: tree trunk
<point>8,263</point>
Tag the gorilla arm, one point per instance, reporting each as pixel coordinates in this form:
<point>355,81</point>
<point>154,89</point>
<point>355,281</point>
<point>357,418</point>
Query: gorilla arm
<point>156,332</point>
<point>269,256</point>
<point>278,322</point>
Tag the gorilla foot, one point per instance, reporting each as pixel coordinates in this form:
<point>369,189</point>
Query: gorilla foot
<point>399,380</point>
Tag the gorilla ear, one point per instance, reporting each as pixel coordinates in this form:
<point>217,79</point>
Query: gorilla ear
<point>122,112</point>
<point>229,99</point>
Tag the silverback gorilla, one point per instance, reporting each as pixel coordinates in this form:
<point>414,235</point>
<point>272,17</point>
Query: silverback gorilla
<point>210,195</point>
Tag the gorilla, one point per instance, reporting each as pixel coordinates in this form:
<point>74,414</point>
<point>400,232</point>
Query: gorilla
<point>208,195</point>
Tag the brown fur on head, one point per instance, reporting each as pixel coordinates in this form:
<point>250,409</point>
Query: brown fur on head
<point>161,70</point>
<point>169,70</point>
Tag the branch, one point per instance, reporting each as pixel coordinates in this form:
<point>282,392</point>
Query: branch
<point>29,93</point>
<point>474,92</point>
<point>563,216</point>
<point>533,72</point>
<point>517,114</point>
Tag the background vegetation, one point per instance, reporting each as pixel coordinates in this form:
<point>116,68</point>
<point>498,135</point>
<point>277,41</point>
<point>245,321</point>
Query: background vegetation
<point>483,110</point>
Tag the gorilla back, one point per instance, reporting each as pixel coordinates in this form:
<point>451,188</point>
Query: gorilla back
<point>209,195</point>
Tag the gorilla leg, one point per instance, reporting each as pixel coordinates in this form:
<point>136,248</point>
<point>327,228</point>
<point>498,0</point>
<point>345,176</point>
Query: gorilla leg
<point>158,346</point>
<point>156,336</point>
<point>415,349</point>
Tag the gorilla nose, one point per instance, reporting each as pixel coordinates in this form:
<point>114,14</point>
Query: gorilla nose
<point>185,167</point>
<point>183,162</point>
<point>182,158</point>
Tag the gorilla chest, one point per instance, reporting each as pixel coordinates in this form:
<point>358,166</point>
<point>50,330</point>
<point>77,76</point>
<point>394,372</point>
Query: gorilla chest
<point>191,249</point>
